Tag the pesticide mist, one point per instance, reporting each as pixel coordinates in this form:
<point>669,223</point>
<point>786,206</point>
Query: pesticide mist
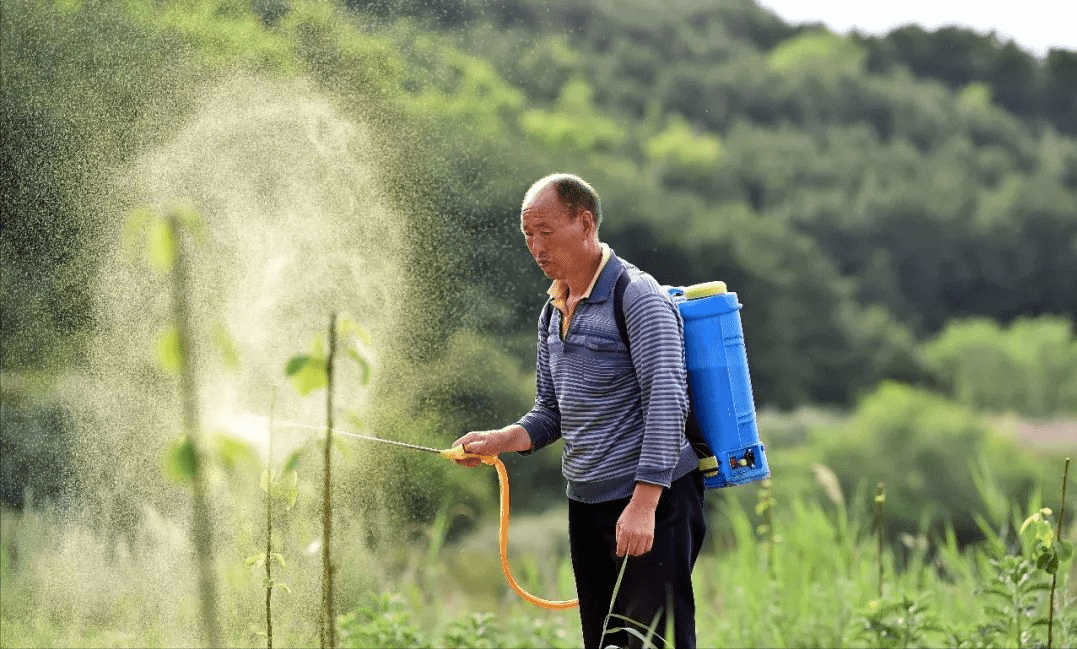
<point>284,224</point>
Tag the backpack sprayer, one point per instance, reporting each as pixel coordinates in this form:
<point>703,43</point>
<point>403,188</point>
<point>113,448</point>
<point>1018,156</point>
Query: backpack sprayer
<point>719,387</point>
<point>721,423</point>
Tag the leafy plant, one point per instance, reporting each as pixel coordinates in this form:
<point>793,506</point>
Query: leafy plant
<point>381,621</point>
<point>310,372</point>
<point>1016,593</point>
<point>165,244</point>
<point>900,621</point>
<point>1049,550</point>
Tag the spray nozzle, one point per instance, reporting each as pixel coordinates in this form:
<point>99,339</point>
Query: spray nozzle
<point>458,453</point>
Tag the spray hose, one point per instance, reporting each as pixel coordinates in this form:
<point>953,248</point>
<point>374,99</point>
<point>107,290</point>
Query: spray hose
<point>458,453</point>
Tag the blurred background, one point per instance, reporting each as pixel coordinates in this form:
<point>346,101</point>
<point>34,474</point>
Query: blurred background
<point>894,203</point>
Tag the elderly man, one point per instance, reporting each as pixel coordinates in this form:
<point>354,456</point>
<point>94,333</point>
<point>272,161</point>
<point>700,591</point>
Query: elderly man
<point>633,487</point>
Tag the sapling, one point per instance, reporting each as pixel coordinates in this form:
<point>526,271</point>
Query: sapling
<point>277,486</point>
<point>310,372</point>
<point>328,623</point>
<point>1050,550</point>
<point>880,500</point>
<point>765,507</point>
<point>269,526</point>
<point>166,246</point>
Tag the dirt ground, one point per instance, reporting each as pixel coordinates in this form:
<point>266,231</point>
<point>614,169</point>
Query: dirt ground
<point>1050,435</point>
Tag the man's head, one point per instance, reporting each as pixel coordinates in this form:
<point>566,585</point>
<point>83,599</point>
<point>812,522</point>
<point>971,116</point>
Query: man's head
<point>574,193</point>
<point>559,218</point>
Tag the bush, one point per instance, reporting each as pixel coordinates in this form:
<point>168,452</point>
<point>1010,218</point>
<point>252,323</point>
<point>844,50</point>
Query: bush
<point>1029,367</point>
<point>922,446</point>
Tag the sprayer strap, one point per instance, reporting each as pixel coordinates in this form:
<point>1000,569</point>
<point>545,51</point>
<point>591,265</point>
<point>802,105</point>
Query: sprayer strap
<point>707,462</point>
<point>619,307</point>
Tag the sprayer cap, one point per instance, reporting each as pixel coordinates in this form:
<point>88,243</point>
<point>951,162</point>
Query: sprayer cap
<point>706,289</point>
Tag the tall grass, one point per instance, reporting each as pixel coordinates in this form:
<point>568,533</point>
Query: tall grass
<point>811,582</point>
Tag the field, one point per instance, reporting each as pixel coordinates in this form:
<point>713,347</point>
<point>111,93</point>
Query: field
<point>805,571</point>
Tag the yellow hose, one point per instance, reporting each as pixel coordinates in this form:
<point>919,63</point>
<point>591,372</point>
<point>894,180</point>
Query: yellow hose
<point>458,453</point>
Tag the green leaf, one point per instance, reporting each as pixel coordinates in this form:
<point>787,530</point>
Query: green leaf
<point>355,421</point>
<point>349,327</point>
<point>310,377</point>
<point>256,559</point>
<point>279,558</point>
<point>996,612</point>
<point>281,584</point>
<point>191,220</point>
<point>284,487</point>
<point>364,366</point>
<point>135,226</point>
<point>343,448</point>
<point>292,463</point>
<point>1029,521</point>
<point>181,461</point>
<point>226,346</point>
<point>169,355</point>
<point>290,485</point>
<point>1067,550</point>
<point>307,372</point>
<point>296,363</point>
<point>1043,560</point>
<point>232,452</point>
<point>363,336</point>
<point>264,480</point>
<point>162,245</point>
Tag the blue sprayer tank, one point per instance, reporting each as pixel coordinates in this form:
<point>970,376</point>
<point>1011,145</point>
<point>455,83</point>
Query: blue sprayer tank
<point>718,382</point>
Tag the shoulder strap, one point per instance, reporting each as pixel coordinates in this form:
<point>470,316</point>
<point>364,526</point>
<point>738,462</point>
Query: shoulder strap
<point>708,464</point>
<point>547,313</point>
<point>619,307</point>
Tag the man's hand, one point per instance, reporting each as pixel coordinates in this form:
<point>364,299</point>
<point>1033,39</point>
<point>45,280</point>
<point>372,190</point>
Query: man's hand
<point>635,527</point>
<point>493,442</point>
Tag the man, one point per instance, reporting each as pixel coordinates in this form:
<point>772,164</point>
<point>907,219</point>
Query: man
<point>633,487</point>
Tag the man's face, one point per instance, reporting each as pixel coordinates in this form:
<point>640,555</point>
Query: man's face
<point>557,241</point>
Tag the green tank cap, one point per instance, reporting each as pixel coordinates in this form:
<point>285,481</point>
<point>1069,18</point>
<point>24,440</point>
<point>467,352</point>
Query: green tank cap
<point>706,289</point>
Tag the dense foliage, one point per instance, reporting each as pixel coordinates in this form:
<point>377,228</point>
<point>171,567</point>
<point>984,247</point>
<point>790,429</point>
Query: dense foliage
<point>857,193</point>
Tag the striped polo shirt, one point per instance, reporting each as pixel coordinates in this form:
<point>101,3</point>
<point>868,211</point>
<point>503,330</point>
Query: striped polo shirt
<point>620,414</point>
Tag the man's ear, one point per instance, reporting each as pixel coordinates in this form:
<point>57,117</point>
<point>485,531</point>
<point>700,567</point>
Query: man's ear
<point>589,223</point>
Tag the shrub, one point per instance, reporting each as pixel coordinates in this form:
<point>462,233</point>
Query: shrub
<point>922,446</point>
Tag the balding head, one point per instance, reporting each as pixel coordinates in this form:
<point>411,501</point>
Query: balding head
<point>573,192</point>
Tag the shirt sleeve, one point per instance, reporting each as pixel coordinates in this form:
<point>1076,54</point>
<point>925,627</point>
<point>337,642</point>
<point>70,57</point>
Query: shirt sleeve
<point>657,344</point>
<point>543,421</point>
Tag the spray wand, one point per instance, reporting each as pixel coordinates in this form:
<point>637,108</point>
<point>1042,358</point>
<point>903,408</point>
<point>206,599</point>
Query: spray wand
<point>459,453</point>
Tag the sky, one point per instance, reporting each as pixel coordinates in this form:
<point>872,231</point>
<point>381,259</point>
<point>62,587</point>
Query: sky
<point>1035,25</point>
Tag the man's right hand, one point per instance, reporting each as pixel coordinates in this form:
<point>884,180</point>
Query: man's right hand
<point>493,442</point>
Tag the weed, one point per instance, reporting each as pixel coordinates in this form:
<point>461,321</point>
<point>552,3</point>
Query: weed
<point>381,621</point>
<point>898,622</point>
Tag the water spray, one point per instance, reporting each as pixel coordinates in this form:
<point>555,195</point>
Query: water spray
<point>460,453</point>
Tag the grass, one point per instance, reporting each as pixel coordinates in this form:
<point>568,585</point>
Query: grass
<point>810,581</point>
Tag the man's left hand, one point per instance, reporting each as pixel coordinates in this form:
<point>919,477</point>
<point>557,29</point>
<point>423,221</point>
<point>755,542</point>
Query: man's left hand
<point>635,527</point>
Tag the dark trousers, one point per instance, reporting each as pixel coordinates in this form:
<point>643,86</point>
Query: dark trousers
<point>650,581</point>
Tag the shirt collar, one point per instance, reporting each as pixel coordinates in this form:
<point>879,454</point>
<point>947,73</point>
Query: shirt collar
<point>558,290</point>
